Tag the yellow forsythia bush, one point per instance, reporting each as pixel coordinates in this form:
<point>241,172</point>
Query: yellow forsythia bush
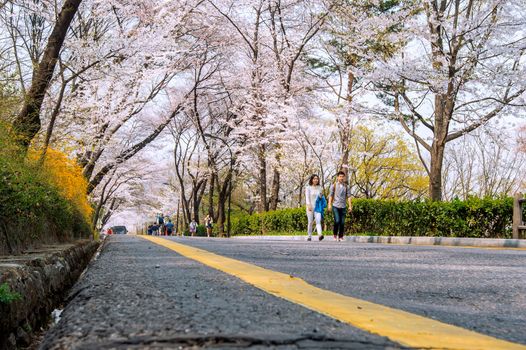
<point>66,175</point>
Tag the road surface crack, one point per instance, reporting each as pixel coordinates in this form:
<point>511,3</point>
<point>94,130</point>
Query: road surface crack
<point>234,341</point>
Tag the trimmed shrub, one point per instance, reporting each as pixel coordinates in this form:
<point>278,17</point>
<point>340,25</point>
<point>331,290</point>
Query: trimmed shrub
<point>474,217</point>
<point>200,231</point>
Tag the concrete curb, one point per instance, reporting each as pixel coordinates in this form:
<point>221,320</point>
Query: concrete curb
<point>43,281</point>
<point>440,241</point>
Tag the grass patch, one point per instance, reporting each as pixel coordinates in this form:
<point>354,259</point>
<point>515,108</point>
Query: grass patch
<point>6,295</point>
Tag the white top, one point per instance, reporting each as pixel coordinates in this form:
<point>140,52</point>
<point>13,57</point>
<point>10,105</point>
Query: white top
<point>311,193</point>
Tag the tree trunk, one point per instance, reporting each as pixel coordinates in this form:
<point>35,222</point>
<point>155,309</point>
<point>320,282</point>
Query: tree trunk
<point>96,213</point>
<point>186,214</point>
<point>185,207</point>
<point>52,120</point>
<point>27,123</point>
<point>346,132</point>
<point>350,83</point>
<point>274,197</point>
<point>228,222</point>
<point>196,204</point>
<point>263,204</point>
<point>211,195</point>
<point>177,228</point>
<point>221,217</point>
<point>442,109</point>
<point>435,169</point>
<point>300,193</point>
<point>113,206</point>
<point>223,195</point>
<point>198,191</point>
<point>345,161</point>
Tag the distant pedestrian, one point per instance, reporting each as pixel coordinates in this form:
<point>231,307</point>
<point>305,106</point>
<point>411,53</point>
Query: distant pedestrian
<point>208,225</point>
<point>150,231</point>
<point>169,227</point>
<point>155,229</point>
<point>110,231</point>
<point>340,195</point>
<point>160,223</point>
<point>312,192</point>
<point>193,227</point>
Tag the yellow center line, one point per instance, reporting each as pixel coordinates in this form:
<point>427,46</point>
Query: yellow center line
<point>399,326</point>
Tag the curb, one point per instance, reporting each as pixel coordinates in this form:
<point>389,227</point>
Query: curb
<point>43,282</point>
<point>407,240</point>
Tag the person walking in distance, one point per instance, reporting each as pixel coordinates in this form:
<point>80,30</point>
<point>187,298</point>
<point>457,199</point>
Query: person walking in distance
<point>312,192</point>
<point>160,224</point>
<point>169,227</point>
<point>208,225</point>
<point>192,228</point>
<point>340,195</point>
<point>155,229</point>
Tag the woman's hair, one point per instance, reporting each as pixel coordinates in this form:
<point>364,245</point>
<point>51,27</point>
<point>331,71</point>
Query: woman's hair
<point>340,173</point>
<point>311,179</point>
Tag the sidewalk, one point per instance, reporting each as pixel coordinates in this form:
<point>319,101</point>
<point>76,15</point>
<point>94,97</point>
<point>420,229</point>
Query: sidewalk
<point>424,241</point>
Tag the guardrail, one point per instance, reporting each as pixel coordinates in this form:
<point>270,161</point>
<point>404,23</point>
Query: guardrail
<point>518,220</point>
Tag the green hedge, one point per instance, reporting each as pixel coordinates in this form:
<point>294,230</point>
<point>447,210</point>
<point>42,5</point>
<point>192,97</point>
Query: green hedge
<point>200,231</point>
<point>472,218</point>
<point>32,211</point>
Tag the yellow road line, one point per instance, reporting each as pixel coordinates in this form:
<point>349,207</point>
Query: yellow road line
<point>399,326</point>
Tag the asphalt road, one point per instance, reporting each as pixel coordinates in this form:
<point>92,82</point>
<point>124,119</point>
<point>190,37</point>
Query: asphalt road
<point>141,295</point>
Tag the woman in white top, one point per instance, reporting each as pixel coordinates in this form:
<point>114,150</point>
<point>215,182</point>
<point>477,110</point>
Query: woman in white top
<point>312,191</point>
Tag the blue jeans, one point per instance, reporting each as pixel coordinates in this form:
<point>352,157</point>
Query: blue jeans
<point>339,221</point>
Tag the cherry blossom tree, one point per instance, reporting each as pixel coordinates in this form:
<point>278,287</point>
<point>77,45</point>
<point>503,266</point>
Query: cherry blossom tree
<point>272,38</point>
<point>239,102</point>
<point>119,108</point>
<point>356,33</point>
<point>461,65</point>
<point>189,168</point>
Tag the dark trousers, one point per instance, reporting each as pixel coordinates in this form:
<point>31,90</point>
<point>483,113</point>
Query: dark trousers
<point>339,221</point>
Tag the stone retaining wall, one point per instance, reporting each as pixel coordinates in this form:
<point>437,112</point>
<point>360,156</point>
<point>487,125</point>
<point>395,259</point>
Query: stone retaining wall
<point>42,279</point>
